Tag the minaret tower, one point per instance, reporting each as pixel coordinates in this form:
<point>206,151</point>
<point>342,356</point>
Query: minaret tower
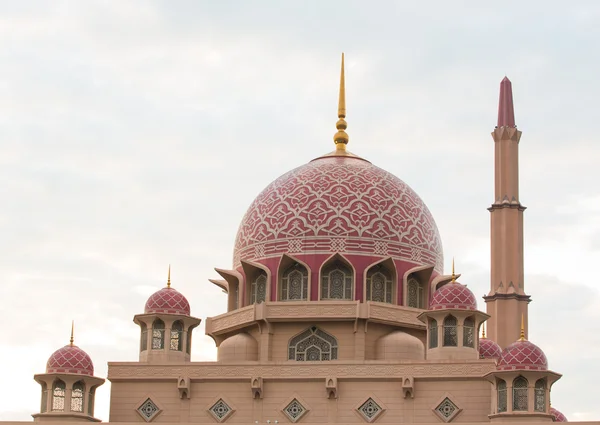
<point>507,300</point>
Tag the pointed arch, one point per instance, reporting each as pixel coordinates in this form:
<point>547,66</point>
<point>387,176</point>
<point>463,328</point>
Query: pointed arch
<point>176,337</point>
<point>336,279</point>
<point>313,344</point>
<point>58,396</point>
<point>415,287</point>
<point>158,334</point>
<point>540,395</point>
<point>380,281</point>
<point>501,389</point>
<point>450,331</point>
<point>469,332</point>
<point>234,281</point>
<point>258,282</point>
<point>77,396</point>
<point>293,279</point>
<point>520,393</point>
<point>433,333</point>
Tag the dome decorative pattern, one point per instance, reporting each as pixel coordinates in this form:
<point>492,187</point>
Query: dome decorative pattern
<point>339,204</point>
<point>489,349</point>
<point>453,295</point>
<point>70,359</point>
<point>167,301</point>
<point>558,416</point>
<point>523,355</point>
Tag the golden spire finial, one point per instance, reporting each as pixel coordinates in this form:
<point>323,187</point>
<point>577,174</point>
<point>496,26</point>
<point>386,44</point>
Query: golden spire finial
<point>483,330</point>
<point>522,337</point>
<point>341,137</point>
<point>169,277</point>
<point>72,340</point>
<point>453,275</point>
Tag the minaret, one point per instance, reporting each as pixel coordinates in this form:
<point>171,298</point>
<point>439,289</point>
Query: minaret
<point>507,300</point>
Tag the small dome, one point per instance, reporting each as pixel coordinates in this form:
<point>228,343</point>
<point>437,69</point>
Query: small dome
<point>453,295</point>
<point>399,345</point>
<point>558,416</point>
<point>169,301</point>
<point>489,349</point>
<point>70,359</point>
<point>523,355</point>
<point>239,347</point>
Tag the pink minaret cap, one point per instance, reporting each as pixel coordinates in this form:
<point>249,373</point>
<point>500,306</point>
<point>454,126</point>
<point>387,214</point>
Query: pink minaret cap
<point>506,111</point>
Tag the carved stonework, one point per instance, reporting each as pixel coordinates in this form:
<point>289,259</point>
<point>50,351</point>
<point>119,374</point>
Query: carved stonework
<point>408,387</point>
<point>183,386</point>
<point>331,387</point>
<point>256,384</point>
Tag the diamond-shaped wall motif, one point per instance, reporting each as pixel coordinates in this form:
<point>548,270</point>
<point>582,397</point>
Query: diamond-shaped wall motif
<point>294,410</point>
<point>370,410</point>
<point>148,410</point>
<point>447,410</point>
<point>220,410</point>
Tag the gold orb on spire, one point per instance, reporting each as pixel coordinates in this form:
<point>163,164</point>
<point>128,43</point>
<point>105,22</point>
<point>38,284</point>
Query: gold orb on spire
<point>169,277</point>
<point>72,340</point>
<point>453,275</point>
<point>341,137</point>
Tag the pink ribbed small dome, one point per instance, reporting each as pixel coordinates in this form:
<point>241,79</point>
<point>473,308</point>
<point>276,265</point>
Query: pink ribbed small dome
<point>169,301</point>
<point>70,359</point>
<point>558,416</point>
<point>453,295</point>
<point>489,349</point>
<point>523,355</point>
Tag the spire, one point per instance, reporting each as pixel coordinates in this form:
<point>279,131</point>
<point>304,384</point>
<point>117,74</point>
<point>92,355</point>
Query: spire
<point>453,275</point>
<point>72,340</point>
<point>522,336</point>
<point>483,330</point>
<point>169,277</point>
<point>341,137</point>
<point>506,112</point>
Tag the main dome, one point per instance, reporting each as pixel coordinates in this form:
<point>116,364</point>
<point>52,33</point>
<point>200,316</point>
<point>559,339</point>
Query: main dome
<point>340,204</point>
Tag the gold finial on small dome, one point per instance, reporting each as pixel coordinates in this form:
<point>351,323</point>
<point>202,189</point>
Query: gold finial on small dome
<point>169,277</point>
<point>453,275</point>
<point>341,137</point>
<point>483,330</point>
<point>72,340</point>
<point>522,336</point>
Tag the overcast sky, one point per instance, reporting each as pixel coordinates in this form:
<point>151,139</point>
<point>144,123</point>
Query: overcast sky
<point>134,134</point>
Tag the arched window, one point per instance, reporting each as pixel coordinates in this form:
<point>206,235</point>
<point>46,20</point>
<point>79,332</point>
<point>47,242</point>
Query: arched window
<point>336,282</point>
<point>540,395</point>
<point>520,394</point>
<point>176,336</point>
<point>313,345</point>
<point>158,335</point>
<point>501,387</point>
<point>258,289</point>
<point>91,402</point>
<point>416,293</point>
<point>58,396</point>
<point>188,343</point>
<point>379,284</point>
<point>433,333</point>
<point>450,333</point>
<point>77,397</point>
<point>143,337</point>
<point>469,332</point>
<point>294,283</point>
<point>44,403</point>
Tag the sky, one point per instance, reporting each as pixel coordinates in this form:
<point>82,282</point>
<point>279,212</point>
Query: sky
<point>135,134</point>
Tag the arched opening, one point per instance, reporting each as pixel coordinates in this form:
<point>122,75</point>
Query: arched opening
<point>450,332</point>
<point>294,283</point>
<point>58,396</point>
<point>520,394</point>
<point>143,337</point>
<point>501,388</point>
<point>77,397</point>
<point>540,395</point>
<point>380,284</point>
<point>415,292</point>
<point>176,342</point>
<point>337,281</point>
<point>313,345</point>
<point>158,335</point>
<point>258,289</point>
<point>44,402</point>
<point>469,332</point>
<point>433,333</point>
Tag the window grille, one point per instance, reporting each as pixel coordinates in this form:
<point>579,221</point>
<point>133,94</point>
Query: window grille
<point>433,333</point>
<point>158,335</point>
<point>294,283</point>
<point>258,289</point>
<point>77,397</point>
<point>540,395</point>
<point>416,297</point>
<point>379,284</point>
<point>501,387</point>
<point>520,394</point>
<point>336,282</point>
<point>450,333</point>
<point>176,343</point>
<point>58,396</point>
<point>313,345</point>
<point>469,333</point>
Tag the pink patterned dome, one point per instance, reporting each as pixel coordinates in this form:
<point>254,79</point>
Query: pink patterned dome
<point>523,355</point>
<point>167,301</point>
<point>340,204</point>
<point>70,359</point>
<point>558,416</point>
<point>453,295</point>
<point>489,349</point>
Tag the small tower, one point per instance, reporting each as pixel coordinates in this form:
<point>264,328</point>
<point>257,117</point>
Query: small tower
<point>68,386</point>
<point>521,384</point>
<point>453,322</point>
<point>166,327</point>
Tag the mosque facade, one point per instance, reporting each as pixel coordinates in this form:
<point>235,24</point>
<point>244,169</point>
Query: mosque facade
<point>339,311</point>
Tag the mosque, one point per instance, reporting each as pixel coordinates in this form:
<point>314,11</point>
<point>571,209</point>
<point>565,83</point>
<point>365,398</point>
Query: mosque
<point>339,311</point>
